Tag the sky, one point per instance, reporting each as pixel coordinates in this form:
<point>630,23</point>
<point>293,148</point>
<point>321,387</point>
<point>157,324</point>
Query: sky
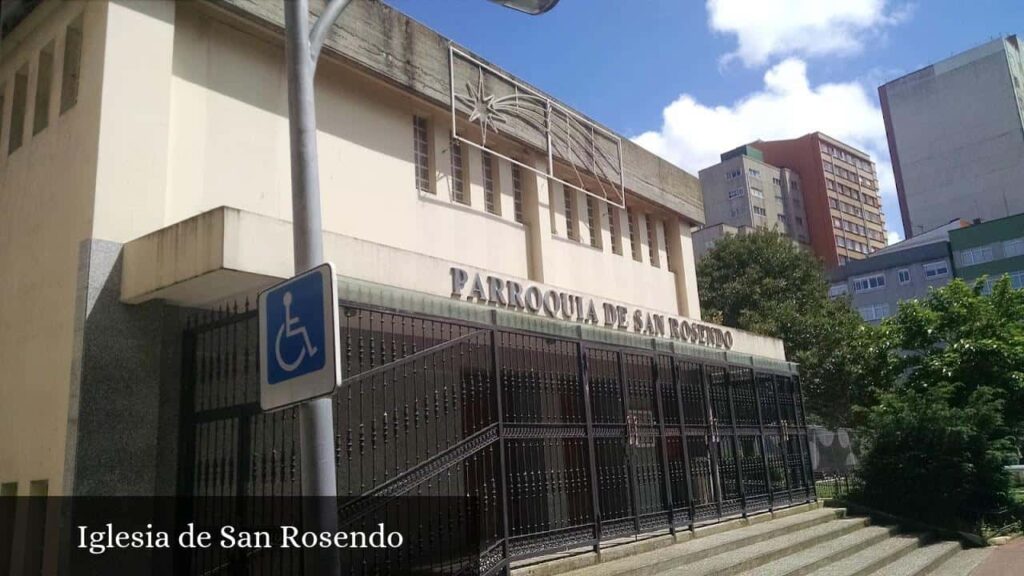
<point>690,79</point>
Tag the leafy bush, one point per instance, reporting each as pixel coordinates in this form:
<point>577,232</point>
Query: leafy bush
<point>934,462</point>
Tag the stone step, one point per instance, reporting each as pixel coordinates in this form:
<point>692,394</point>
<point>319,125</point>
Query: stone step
<point>921,561</point>
<point>761,553</point>
<point>962,563</point>
<point>871,558</point>
<point>827,552</point>
<point>705,542</point>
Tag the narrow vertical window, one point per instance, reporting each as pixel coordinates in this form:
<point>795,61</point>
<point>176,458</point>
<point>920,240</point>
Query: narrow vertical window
<point>570,213</point>
<point>652,241</point>
<point>18,109</point>
<point>595,232</point>
<point>634,241</point>
<point>72,65</point>
<point>613,229</point>
<point>517,193</point>
<point>421,152</point>
<point>491,203</point>
<point>44,80</point>
<point>458,173</point>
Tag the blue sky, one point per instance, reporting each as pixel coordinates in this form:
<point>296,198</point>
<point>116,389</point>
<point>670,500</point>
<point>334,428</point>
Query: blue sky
<point>691,79</point>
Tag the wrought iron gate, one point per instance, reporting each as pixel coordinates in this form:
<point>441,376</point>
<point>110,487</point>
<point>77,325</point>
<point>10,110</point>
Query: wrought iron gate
<point>564,443</point>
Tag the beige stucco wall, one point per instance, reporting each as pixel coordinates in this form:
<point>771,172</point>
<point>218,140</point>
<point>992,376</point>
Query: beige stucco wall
<point>46,199</point>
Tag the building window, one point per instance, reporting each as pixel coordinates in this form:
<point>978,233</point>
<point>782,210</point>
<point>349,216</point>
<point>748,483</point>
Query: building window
<point>570,213</point>
<point>868,283</point>
<point>754,172</point>
<point>595,232</point>
<point>652,241</point>
<point>44,79</point>
<point>72,71</point>
<point>732,174</point>
<point>18,109</point>
<point>828,166</point>
<point>421,152</point>
<point>904,275</point>
<point>837,290</point>
<point>458,173</point>
<point>782,218</point>
<point>756,192</point>
<point>634,242</point>
<point>938,269</point>
<point>760,211</point>
<point>1017,280</point>
<point>978,255</point>
<point>613,229</point>
<point>517,193</point>
<point>736,193</point>
<point>491,203</point>
<point>874,313</point>
<point>1013,248</point>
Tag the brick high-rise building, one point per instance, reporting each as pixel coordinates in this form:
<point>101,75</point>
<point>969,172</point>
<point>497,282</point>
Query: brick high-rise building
<point>840,191</point>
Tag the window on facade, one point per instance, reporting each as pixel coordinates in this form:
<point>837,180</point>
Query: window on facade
<point>421,153</point>
<point>777,181</point>
<point>756,192</point>
<point>1013,247</point>
<point>613,229</point>
<point>868,283</point>
<point>1017,280</point>
<point>837,290</point>
<point>760,211</point>
<point>904,275</point>
<point>978,255</point>
<point>71,74</point>
<point>732,174</point>
<point>828,167</point>
<point>491,201</point>
<point>634,241</point>
<point>570,213</point>
<point>936,269</point>
<point>782,218</point>
<point>874,313</point>
<point>736,193</point>
<point>592,227</point>
<point>652,241</point>
<point>44,79</point>
<point>833,203</point>
<point>458,173</point>
<point>18,109</point>
<point>754,172</point>
<point>517,193</point>
<point>799,221</point>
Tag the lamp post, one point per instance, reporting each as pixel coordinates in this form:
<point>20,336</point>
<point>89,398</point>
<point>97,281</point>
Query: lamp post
<point>316,419</point>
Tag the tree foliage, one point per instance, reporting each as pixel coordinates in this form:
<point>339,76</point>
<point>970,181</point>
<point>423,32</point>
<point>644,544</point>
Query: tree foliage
<point>763,282</point>
<point>952,412</point>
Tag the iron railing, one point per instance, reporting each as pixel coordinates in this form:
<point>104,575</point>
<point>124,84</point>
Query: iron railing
<point>562,443</point>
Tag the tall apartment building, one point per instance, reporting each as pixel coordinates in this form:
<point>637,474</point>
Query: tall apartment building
<point>744,191</point>
<point>840,192</point>
<point>956,136</point>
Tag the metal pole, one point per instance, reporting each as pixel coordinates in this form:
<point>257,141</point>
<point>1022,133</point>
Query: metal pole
<point>316,425</point>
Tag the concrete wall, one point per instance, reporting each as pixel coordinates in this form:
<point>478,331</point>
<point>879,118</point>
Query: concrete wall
<point>956,130</point>
<point>46,209</point>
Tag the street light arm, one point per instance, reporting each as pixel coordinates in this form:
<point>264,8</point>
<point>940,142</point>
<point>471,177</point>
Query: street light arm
<point>332,11</point>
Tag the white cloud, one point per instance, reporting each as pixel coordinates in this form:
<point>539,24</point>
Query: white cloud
<point>693,135</point>
<point>779,28</point>
<point>892,237</point>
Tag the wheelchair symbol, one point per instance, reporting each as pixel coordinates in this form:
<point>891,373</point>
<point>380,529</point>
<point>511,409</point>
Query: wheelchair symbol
<point>287,330</point>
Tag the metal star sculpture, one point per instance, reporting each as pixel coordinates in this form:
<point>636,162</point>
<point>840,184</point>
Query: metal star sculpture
<point>483,109</point>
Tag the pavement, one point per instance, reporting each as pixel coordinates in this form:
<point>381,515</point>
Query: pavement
<point>1005,560</point>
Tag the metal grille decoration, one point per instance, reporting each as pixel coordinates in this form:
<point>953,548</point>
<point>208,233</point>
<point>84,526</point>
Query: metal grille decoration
<point>564,443</point>
<point>580,154</point>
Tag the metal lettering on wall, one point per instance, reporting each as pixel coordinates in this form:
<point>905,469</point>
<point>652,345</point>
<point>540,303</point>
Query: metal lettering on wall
<point>513,295</point>
<point>580,154</point>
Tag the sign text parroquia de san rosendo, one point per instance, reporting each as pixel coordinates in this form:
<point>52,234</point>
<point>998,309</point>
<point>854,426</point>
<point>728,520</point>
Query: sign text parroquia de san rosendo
<point>533,299</point>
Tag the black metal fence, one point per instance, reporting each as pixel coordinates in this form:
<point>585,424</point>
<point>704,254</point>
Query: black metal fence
<point>563,443</point>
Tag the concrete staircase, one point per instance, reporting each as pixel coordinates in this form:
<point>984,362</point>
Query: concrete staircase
<point>806,540</point>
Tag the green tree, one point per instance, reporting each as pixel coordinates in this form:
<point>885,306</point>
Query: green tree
<point>947,420</point>
<point>763,282</point>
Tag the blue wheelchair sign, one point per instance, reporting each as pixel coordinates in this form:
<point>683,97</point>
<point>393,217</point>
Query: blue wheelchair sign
<point>298,339</point>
